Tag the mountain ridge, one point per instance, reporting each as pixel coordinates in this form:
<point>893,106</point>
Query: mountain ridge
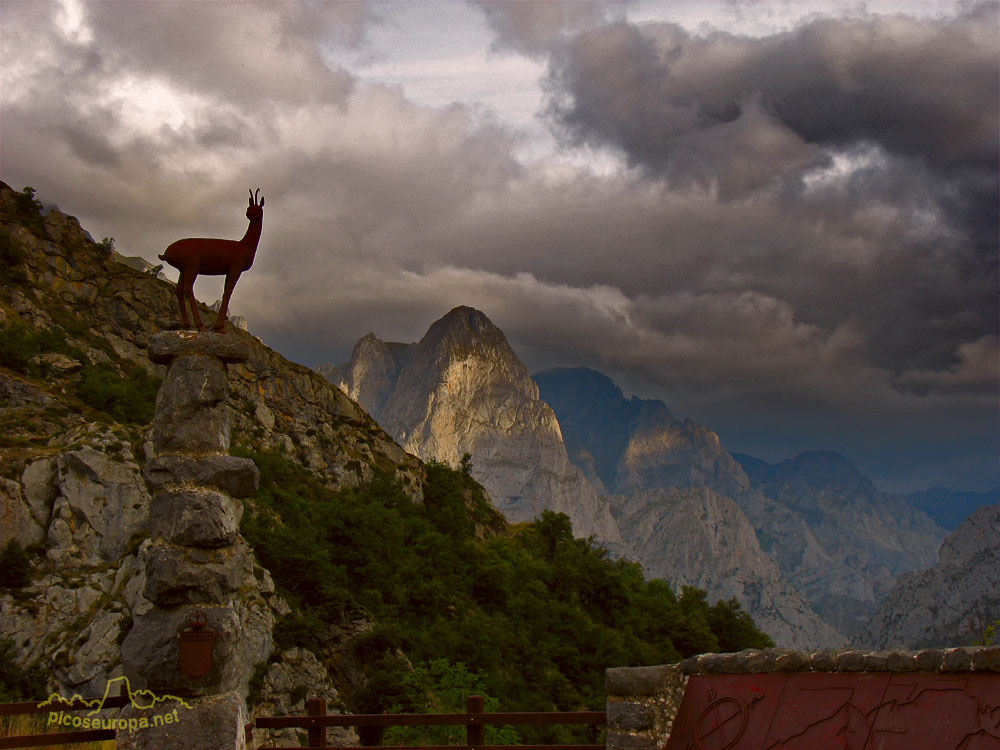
<point>834,537</point>
<point>461,388</point>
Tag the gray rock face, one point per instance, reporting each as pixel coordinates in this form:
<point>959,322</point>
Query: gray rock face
<point>461,389</point>
<point>295,674</point>
<point>949,603</point>
<point>101,506</point>
<point>697,537</point>
<point>835,537</point>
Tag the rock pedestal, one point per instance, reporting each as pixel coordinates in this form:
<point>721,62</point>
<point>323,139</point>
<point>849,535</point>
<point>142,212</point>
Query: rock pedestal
<point>197,560</point>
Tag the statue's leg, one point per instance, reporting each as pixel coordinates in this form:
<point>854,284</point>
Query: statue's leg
<point>180,291</point>
<point>189,293</point>
<point>220,320</point>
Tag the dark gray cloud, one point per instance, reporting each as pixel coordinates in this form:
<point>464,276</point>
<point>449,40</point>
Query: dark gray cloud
<point>909,110</point>
<point>925,89</point>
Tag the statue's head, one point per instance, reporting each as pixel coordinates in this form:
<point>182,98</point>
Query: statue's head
<point>255,211</point>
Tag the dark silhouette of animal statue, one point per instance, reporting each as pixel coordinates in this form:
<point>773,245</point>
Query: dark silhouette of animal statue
<point>212,257</point>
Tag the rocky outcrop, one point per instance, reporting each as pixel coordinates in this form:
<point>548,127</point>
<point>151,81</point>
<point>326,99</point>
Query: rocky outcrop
<point>196,563</point>
<point>949,603</point>
<point>89,513</point>
<point>295,674</point>
<point>108,312</point>
<point>461,389</point>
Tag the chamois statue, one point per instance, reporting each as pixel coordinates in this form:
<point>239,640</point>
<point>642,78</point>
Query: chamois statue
<point>212,257</point>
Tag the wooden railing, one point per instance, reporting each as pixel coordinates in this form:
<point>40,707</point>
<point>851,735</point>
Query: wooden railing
<point>372,726</point>
<point>58,738</point>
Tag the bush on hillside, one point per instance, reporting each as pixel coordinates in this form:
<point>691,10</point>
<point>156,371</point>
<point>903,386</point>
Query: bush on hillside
<point>129,398</point>
<point>536,616</point>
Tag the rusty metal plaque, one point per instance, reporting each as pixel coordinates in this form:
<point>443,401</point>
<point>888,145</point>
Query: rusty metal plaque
<point>846,711</point>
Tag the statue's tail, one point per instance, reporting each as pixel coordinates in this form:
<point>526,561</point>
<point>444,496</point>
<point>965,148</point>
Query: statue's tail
<point>162,257</point>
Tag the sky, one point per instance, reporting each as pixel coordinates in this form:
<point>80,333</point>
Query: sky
<point>779,217</point>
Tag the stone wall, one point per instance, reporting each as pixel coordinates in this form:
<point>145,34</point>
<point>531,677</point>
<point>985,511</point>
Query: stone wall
<point>643,701</point>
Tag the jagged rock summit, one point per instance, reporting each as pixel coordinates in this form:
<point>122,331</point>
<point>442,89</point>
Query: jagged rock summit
<point>462,389</point>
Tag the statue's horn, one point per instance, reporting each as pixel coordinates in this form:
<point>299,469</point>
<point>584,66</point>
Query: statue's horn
<point>251,197</point>
<point>256,197</point>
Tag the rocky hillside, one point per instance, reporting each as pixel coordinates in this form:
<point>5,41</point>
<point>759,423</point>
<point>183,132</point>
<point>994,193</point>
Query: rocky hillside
<point>693,536</point>
<point>419,548</point>
<point>76,394</point>
<point>950,603</point>
<point>461,389</point>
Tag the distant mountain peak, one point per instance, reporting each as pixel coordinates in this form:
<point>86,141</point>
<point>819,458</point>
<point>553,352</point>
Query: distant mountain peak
<point>595,384</point>
<point>818,467</point>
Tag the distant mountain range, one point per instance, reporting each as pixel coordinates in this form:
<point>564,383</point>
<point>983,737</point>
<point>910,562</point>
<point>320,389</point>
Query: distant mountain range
<point>949,508</point>
<point>808,546</point>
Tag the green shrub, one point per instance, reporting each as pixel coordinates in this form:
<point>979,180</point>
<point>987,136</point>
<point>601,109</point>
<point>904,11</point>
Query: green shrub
<point>129,399</point>
<point>12,259</point>
<point>21,343</point>
<point>29,211</point>
<point>18,684</point>
<point>15,566</point>
<point>538,615</point>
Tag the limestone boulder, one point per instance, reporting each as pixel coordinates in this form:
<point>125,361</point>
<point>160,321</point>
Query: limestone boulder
<point>236,476</point>
<point>196,518</point>
<point>188,575</point>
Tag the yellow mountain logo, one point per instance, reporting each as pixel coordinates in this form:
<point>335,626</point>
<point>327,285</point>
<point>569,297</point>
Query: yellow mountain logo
<point>139,699</point>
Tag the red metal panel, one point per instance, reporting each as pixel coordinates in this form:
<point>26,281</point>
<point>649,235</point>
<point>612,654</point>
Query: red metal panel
<point>846,711</point>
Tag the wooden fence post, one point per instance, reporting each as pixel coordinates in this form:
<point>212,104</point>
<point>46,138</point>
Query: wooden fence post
<point>370,736</point>
<point>317,735</point>
<point>475,733</point>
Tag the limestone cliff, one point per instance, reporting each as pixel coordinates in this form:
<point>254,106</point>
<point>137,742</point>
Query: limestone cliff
<point>836,540</point>
<point>461,389</point>
<point>949,603</point>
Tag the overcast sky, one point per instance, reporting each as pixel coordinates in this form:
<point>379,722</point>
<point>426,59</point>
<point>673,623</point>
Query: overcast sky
<point>779,217</point>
